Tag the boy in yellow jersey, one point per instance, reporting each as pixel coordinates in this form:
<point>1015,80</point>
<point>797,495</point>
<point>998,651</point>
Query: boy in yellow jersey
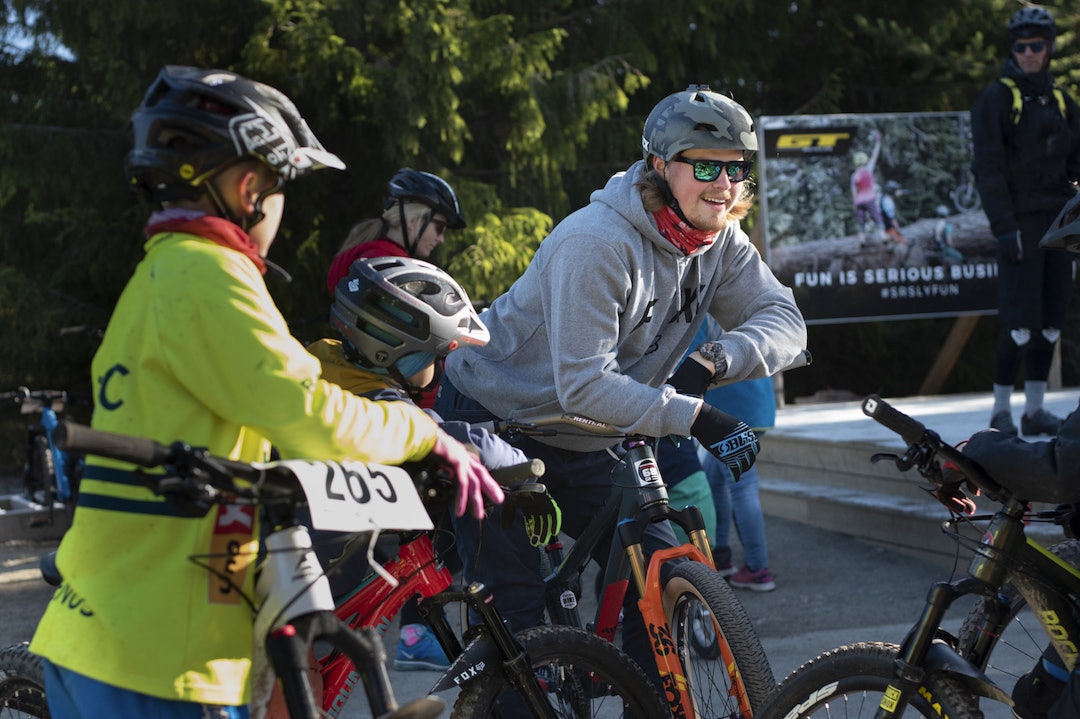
<point>196,350</point>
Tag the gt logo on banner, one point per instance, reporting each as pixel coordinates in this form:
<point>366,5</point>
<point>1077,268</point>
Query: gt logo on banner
<point>816,141</point>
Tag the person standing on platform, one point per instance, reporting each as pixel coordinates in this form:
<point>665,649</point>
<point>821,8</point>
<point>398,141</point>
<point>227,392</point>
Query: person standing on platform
<point>1026,135</point>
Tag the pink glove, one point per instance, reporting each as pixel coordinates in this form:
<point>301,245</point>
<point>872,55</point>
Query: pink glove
<point>474,482</point>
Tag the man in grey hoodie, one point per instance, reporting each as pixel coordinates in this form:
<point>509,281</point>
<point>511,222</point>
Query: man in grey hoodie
<point>600,319</point>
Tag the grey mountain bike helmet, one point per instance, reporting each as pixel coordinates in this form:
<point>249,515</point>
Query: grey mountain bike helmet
<point>390,307</point>
<point>1064,233</point>
<point>697,118</point>
<point>1032,22</point>
<point>193,123</point>
<point>415,186</point>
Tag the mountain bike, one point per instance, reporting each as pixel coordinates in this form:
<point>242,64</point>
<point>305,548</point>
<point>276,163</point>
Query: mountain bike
<point>710,660</point>
<point>932,672</point>
<point>50,475</point>
<point>295,611</point>
<point>579,673</point>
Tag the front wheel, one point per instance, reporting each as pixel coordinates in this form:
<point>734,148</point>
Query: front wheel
<point>1001,634</point>
<point>583,676</point>
<point>22,684</point>
<point>727,672</point>
<point>852,681</point>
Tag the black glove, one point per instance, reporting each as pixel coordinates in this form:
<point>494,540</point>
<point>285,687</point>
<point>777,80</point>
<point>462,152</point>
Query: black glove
<point>950,491</point>
<point>954,499</point>
<point>726,438</point>
<point>691,378</point>
<point>542,516</point>
<point>1012,250</point>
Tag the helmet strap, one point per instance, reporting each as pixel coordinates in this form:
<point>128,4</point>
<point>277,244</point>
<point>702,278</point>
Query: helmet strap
<point>245,222</point>
<point>219,203</point>
<point>410,246</point>
<point>417,393</point>
<point>669,198</point>
<point>257,215</point>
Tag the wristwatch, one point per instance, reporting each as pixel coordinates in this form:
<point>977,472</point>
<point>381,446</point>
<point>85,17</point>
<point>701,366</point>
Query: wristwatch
<point>714,352</point>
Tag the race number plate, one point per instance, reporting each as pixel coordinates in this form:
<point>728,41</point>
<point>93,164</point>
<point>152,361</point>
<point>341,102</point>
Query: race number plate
<point>356,497</point>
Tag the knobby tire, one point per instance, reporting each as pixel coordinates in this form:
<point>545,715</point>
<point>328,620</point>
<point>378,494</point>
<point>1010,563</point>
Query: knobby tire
<point>22,684</point>
<point>850,681</point>
<point>716,642</point>
<point>626,691</point>
<point>1022,641</point>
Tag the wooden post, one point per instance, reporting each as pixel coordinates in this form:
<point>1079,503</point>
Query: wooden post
<point>950,351</point>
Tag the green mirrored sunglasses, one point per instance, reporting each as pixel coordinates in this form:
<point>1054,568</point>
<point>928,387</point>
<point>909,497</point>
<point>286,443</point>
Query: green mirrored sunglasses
<point>709,170</point>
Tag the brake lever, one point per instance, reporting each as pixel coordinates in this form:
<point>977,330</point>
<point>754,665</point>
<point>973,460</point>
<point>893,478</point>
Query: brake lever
<point>916,455</point>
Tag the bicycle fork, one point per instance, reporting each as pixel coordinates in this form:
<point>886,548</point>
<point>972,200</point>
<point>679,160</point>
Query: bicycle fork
<point>297,609</point>
<point>495,646</point>
<point>653,507</point>
<point>921,654</point>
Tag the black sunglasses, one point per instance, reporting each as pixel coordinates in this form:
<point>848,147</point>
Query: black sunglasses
<point>709,170</point>
<point>1036,47</point>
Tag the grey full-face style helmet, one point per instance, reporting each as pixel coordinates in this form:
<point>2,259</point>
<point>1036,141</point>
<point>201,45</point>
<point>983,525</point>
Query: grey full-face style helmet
<point>389,307</point>
<point>697,118</point>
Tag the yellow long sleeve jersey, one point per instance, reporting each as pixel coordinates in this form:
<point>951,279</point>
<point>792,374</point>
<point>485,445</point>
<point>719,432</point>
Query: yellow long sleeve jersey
<point>196,350</point>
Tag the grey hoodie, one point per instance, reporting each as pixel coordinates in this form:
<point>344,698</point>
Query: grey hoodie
<point>605,311</point>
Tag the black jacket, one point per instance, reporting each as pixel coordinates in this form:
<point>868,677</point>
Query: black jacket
<point>1028,166</point>
<point>1035,471</point>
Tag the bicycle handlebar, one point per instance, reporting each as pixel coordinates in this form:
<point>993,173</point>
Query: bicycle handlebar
<point>36,398</point>
<point>124,448</point>
<point>149,453</point>
<point>914,432</point>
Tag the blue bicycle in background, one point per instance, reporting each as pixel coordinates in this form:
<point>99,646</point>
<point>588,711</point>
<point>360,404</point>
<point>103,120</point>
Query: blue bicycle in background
<point>50,475</point>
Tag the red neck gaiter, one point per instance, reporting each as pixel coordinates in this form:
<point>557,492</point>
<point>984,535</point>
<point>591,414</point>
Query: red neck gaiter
<point>215,229</point>
<point>676,231</point>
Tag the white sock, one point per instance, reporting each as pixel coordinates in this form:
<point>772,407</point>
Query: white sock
<point>1034,395</point>
<point>1002,398</point>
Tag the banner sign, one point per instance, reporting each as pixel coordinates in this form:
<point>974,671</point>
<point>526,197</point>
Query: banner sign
<point>871,217</point>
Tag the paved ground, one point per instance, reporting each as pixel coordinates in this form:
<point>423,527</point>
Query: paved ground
<point>831,589</point>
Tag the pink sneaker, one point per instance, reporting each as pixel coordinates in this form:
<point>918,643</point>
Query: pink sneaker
<point>759,581</point>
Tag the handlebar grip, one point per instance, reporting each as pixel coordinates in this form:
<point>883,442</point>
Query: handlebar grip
<point>136,450</point>
<point>910,429</point>
<point>533,469</point>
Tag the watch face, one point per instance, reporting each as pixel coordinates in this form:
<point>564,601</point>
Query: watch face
<point>712,351</point>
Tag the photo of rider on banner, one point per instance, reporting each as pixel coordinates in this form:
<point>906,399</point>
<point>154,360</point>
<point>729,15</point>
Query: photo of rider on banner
<point>870,217</point>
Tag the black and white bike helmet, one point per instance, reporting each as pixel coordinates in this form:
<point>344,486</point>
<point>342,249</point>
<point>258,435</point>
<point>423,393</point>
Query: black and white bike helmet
<point>390,307</point>
<point>1064,233</point>
<point>194,122</point>
<point>697,118</point>
<point>1032,22</point>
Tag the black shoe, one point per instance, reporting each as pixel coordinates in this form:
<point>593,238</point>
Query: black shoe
<point>1003,422</point>
<point>1040,422</point>
<point>1035,693</point>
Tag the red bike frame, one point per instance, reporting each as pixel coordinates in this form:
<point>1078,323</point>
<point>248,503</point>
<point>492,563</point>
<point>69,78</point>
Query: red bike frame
<point>375,604</point>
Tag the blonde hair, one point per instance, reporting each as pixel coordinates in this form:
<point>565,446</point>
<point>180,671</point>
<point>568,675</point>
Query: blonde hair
<point>653,199</point>
<point>375,227</point>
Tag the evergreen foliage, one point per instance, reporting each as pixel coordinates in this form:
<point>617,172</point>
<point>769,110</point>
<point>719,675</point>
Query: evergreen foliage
<point>526,107</point>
